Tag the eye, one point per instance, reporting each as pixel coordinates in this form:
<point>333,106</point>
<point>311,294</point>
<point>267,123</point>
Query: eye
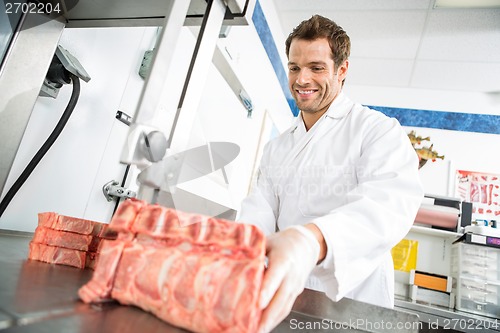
<point>293,69</point>
<point>317,69</point>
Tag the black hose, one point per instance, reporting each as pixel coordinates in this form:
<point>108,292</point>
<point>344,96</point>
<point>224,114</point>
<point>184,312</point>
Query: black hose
<point>45,147</point>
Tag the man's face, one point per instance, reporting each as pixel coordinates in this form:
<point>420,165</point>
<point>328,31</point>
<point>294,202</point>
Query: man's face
<point>312,78</point>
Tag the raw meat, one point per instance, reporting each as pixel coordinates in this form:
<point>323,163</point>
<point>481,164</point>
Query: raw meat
<point>69,240</point>
<point>53,220</point>
<point>196,272</point>
<point>66,240</point>
<point>62,256</point>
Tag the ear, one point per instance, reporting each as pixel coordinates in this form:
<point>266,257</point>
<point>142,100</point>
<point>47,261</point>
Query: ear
<point>342,71</point>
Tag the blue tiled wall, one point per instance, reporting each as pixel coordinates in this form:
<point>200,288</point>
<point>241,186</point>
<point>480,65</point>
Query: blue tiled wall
<point>456,121</point>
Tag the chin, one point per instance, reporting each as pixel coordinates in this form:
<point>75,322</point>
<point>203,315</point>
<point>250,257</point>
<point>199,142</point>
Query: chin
<point>307,108</point>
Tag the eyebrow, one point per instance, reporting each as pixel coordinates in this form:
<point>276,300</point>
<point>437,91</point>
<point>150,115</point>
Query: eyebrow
<point>312,63</point>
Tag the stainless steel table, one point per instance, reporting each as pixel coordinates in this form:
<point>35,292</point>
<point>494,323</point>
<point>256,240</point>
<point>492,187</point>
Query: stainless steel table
<point>39,297</point>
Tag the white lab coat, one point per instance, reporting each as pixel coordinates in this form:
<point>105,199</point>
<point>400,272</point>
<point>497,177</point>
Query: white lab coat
<point>354,174</point>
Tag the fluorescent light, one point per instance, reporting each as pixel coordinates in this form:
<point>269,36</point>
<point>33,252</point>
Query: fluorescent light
<point>467,4</point>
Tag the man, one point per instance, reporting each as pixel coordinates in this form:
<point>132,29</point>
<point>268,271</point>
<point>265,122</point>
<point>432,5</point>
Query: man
<point>341,186</point>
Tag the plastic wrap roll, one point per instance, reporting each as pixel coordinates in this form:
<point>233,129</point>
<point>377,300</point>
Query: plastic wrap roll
<point>439,216</point>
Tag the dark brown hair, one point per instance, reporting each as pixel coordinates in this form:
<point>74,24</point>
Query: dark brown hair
<point>321,27</point>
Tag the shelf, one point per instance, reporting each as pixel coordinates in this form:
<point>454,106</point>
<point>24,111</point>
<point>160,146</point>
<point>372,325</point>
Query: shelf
<point>448,319</point>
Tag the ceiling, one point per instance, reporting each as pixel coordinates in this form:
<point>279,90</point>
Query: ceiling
<point>411,44</point>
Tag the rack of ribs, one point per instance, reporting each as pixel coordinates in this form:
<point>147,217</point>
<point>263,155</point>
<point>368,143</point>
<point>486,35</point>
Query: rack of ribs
<point>192,271</point>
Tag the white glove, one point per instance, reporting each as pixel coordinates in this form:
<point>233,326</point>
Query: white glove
<point>292,254</point>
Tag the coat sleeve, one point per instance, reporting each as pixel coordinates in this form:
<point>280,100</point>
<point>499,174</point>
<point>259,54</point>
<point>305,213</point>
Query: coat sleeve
<point>260,208</point>
<point>378,213</point>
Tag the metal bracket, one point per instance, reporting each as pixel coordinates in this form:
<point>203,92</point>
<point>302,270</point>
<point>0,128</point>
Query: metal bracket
<point>111,190</point>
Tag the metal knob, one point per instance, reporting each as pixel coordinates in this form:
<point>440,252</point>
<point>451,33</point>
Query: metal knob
<point>153,146</point>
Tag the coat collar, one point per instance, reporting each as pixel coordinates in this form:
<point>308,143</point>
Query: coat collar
<point>340,107</point>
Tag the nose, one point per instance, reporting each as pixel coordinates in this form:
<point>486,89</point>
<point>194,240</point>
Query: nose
<point>303,77</point>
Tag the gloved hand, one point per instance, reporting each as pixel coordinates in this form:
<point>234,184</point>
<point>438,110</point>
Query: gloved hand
<point>292,254</point>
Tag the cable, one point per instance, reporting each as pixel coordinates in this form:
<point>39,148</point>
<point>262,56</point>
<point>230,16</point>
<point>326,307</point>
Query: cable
<point>45,147</point>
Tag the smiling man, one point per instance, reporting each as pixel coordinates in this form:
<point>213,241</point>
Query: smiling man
<point>314,79</point>
<point>336,191</point>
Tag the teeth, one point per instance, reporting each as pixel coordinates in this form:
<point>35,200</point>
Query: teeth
<point>306,92</point>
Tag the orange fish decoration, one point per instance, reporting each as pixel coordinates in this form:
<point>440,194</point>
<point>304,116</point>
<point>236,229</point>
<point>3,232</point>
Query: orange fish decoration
<point>414,139</point>
<point>426,153</point>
